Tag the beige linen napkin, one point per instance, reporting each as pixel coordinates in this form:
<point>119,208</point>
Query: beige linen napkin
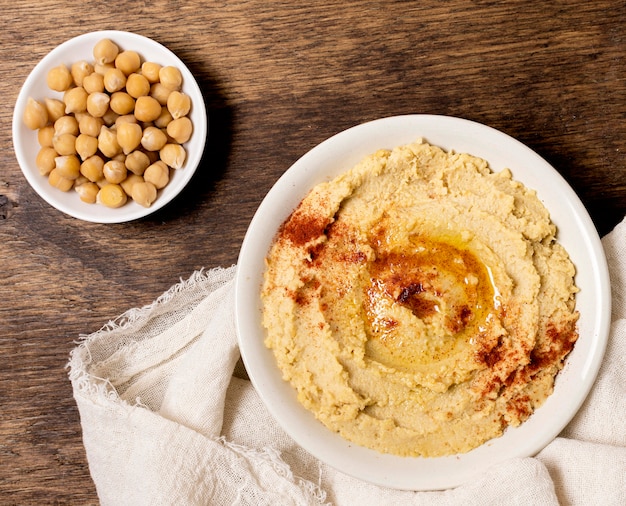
<point>165,421</point>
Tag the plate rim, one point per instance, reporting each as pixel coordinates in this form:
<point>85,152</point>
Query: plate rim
<point>395,477</point>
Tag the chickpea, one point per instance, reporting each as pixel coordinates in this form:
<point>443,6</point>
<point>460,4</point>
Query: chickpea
<point>80,70</point>
<point>44,136</point>
<point>45,160</point>
<point>80,180</point>
<point>59,78</point>
<point>87,192</point>
<point>103,68</point>
<point>114,80</point>
<point>180,129</point>
<point>171,77</point>
<point>164,118</point>
<point>158,174</point>
<point>35,114</point>
<point>89,125</point>
<point>129,136</point>
<point>173,155</point>
<point>64,144</point>
<point>64,139</point>
<point>93,168</point>
<point>112,195</point>
<point>60,182</point>
<point>94,83</point>
<point>98,104</point>
<point>66,125</point>
<point>137,85</point>
<point>147,109</point>
<point>178,104</point>
<point>153,139</point>
<point>160,92</point>
<point>122,103</point>
<point>126,118</point>
<point>151,71</point>
<point>107,142</point>
<point>55,108</point>
<point>129,182</point>
<point>137,162</point>
<point>105,51</point>
<point>114,171</point>
<point>75,100</point>
<point>144,193</point>
<point>86,146</point>
<point>128,62</point>
<point>80,115</point>
<point>67,166</point>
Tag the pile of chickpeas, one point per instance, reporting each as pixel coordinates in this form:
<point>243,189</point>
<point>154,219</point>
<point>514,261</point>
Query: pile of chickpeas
<point>118,131</point>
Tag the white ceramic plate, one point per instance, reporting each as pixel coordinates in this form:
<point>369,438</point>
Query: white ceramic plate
<point>25,140</point>
<point>575,231</point>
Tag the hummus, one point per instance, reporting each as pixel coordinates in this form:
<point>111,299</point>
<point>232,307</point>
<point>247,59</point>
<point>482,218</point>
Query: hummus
<point>419,303</point>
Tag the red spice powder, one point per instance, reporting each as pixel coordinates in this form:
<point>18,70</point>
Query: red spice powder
<point>489,356</point>
<point>561,338</point>
<point>520,407</point>
<point>304,226</point>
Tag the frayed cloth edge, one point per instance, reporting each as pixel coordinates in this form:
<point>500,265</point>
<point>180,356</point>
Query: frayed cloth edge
<point>80,357</point>
<point>271,456</point>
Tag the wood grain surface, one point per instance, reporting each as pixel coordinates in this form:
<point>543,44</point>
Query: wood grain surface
<point>278,77</point>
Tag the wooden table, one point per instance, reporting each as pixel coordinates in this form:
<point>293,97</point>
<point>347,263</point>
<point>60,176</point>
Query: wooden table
<point>279,77</point>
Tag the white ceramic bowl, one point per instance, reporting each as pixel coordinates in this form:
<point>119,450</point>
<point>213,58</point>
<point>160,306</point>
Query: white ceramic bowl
<point>575,231</point>
<point>26,145</point>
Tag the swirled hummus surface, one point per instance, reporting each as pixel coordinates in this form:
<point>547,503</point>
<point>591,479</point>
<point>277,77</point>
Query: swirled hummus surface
<point>419,303</point>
